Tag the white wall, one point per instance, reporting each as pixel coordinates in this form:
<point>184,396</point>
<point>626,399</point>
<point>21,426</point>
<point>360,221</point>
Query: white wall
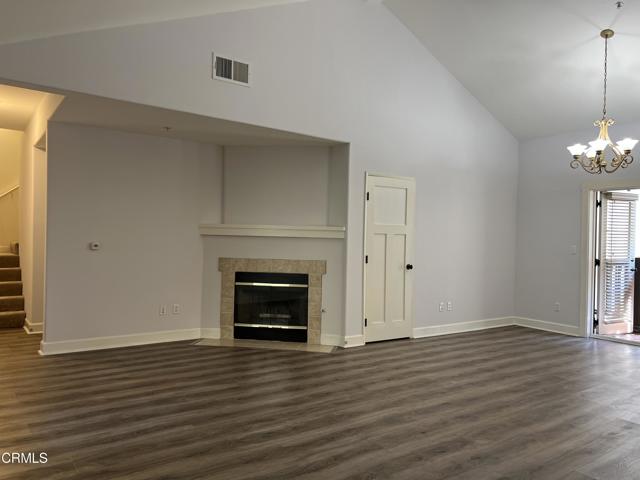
<point>10,152</point>
<point>338,190</point>
<point>33,210</point>
<point>138,195</point>
<point>549,223</point>
<point>276,185</point>
<point>10,155</point>
<point>211,183</point>
<point>9,219</point>
<point>414,119</point>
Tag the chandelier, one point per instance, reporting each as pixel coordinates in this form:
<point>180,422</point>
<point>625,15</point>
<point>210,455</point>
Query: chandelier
<point>593,159</point>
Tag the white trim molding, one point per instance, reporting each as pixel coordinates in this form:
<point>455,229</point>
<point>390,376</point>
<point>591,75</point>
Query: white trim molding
<point>288,231</point>
<point>450,328</point>
<point>33,328</point>
<point>331,340</point>
<point>554,327</point>
<point>353,341</point>
<point>103,343</point>
<point>210,333</point>
<point>120,341</point>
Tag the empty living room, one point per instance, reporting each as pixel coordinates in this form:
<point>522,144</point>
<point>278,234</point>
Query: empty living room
<point>319,239</point>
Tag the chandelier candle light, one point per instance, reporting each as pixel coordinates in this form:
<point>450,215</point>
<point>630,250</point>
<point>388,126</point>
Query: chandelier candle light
<point>593,159</point>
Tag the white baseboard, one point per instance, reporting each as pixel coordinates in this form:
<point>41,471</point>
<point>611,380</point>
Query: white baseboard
<point>211,333</point>
<point>332,340</point>
<point>437,330</point>
<point>450,328</point>
<point>101,343</point>
<point>32,328</point>
<point>547,326</point>
<point>353,341</point>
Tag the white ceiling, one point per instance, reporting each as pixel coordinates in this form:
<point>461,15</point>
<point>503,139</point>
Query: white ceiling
<point>131,117</point>
<point>535,64</point>
<point>16,106</point>
<point>28,19</point>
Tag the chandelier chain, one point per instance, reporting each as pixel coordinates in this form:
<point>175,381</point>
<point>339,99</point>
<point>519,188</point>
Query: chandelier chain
<point>606,55</point>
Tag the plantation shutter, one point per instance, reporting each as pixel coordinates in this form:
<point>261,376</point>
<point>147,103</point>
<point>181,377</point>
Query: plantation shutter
<point>617,257</point>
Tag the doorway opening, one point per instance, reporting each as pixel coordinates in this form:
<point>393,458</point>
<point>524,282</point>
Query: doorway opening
<point>24,115</point>
<point>615,286</point>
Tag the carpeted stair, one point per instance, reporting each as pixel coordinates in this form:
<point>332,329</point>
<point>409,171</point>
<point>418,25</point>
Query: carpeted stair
<point>12,313</point>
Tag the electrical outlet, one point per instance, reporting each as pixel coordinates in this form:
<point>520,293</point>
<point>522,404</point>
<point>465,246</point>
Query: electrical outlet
<point>175,309</point>
<point>449,306</point>
<point>556,307</point>
<point>441,307</point>
<point>163,310</point>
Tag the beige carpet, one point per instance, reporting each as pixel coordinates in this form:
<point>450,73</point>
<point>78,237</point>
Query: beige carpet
<point>298,347</point>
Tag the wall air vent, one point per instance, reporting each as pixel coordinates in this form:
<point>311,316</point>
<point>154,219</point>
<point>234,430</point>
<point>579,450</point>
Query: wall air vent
<point>230,70</point>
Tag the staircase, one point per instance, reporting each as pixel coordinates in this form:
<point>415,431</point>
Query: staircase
<point>12,313</point>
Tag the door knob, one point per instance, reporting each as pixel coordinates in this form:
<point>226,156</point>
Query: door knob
<point>409,266</point>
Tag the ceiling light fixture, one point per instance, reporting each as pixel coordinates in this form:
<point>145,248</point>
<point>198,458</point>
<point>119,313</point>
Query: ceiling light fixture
<point>593,158</point>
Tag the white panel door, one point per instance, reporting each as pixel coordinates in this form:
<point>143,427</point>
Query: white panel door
<point>617,263</point>
<point>388,258</point>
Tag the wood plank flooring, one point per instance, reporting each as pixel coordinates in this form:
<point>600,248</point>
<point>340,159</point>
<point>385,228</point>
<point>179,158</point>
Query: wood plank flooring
<point>508,403</point>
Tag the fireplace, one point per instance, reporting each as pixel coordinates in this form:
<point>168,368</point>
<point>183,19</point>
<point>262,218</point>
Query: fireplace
<point>271,306</point>
<point>313,270</point>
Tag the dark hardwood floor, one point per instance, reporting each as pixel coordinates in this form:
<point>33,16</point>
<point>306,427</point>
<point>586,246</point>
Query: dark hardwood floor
<point>498,404</point>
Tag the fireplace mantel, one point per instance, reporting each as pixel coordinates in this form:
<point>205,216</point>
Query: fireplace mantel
<point>290,231</point>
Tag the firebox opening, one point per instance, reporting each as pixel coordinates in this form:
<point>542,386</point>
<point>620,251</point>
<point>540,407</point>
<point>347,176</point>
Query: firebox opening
<point>271,306</point>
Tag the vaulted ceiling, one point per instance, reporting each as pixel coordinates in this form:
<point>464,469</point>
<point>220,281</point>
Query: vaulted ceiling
<point>535,64</point>
<point>29,19</point>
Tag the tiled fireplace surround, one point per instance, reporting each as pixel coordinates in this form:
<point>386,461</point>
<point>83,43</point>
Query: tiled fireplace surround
<point>314,268</point>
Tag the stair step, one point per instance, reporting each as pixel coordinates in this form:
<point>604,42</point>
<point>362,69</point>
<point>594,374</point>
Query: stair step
<point>10,274</point>
<point>8,289</point>
<point>9,260</point>
<point>12,319</point>
<point>11,304</point>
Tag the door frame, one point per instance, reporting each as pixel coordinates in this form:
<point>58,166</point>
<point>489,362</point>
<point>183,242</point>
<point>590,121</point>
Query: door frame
<point>367,176</point>
<point>587,247</point>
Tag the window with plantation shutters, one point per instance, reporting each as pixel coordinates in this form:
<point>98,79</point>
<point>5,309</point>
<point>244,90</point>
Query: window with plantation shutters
<point>617,262</point>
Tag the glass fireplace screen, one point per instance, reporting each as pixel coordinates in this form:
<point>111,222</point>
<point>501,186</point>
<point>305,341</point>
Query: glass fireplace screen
<point>277,302</point>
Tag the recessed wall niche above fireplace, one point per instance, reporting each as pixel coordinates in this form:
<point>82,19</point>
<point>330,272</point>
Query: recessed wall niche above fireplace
<point>267,299</point>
